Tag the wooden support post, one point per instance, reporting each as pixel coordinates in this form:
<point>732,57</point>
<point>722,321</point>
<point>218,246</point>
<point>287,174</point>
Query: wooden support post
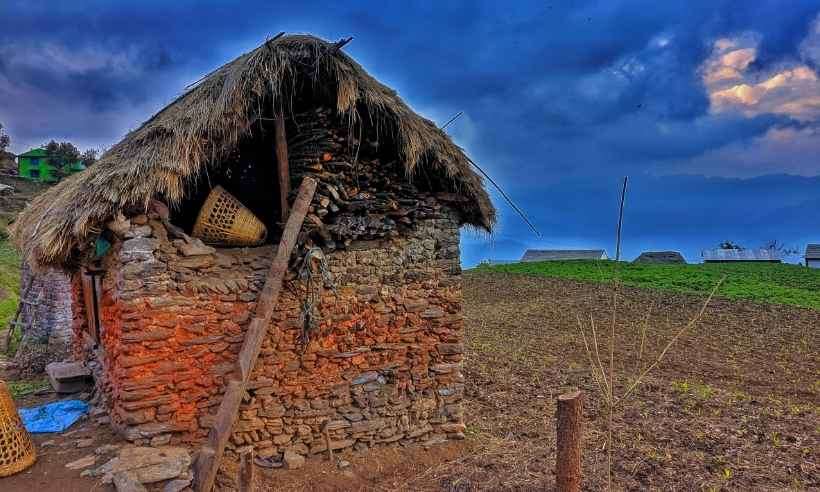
<point>569,419</point>
<point>282,164</point>
<point>327,443</point>
<point>275,37</point>
<point>341,43</point>
<point>246,473</point>
<point>211,453</point>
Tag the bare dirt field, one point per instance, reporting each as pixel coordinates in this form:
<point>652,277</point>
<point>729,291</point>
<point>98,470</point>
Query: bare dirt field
<point>734,406</point>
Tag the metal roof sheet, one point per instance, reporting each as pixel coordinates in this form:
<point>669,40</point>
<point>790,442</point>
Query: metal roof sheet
<point>760,254</point>
<point>563,254</point>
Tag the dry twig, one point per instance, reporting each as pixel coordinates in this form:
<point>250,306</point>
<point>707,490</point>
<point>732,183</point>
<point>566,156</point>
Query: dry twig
<point>605,377</point>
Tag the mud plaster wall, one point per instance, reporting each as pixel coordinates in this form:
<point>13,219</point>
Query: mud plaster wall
<point>383,365</point>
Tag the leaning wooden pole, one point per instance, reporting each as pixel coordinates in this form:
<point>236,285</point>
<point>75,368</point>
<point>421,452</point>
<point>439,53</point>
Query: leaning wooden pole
<point>569,417</point>
<point>282,164</point>
<point>620,223</point>
<point>211,453</point>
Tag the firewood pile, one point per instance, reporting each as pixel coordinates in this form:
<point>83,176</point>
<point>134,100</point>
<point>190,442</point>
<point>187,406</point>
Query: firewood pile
<point>360,195</point>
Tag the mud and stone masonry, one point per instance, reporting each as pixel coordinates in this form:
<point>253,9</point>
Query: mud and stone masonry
<point>381,364</point>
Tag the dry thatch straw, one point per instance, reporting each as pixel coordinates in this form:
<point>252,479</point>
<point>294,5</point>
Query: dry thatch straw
<point>164,156</point>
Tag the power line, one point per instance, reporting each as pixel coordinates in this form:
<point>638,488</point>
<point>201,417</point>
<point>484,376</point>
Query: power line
<point>454,118</point>
<point>507,198</point>
<point>491,180</point>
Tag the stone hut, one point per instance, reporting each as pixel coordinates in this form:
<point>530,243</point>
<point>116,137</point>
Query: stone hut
<point>365,343</point>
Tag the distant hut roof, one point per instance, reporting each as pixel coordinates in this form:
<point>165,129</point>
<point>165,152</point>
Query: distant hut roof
<point>563,254</point>
<point>660,257</point>
<point>165,155</point>
<point>729,255</point>
<point>813,252</point>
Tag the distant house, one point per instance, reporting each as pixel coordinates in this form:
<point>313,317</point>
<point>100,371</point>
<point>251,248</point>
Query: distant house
<point>36,166</point>
<point>564,254</point>
<point>761,255</point>
<point>660,257</point>
<point>491,262</point>
<point>813,256</point>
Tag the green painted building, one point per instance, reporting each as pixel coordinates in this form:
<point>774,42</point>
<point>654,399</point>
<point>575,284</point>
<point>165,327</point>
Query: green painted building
<point>36,166</point>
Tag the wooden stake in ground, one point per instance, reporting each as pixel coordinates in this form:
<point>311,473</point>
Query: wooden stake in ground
<point>246,469</point>
<point>329,448</point>
<point>569,417</point>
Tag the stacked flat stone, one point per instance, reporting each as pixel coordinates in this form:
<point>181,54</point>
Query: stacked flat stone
<point>383,367</point>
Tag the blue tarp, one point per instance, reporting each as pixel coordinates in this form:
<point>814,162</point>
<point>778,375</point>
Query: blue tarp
<point>53,417</point>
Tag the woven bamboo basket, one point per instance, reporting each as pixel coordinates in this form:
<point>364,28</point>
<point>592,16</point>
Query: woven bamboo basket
<point>16,447</point>
<point>225,221</point>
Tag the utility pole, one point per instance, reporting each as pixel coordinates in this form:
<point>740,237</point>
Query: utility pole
<point>620,223</point>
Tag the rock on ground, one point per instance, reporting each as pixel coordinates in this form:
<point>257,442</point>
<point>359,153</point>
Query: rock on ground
<point>147,465</point>
<point>293,461</point>
<point>177,485</point>
<point>84,443</point>
<point>125,482</point>
<point>83,462</point>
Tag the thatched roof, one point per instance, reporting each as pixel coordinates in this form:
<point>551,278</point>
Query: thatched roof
<point>165,155</point>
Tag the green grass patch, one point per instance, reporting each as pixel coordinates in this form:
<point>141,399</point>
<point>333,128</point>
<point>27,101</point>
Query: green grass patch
<point>9,284</point>
<point>769,282</point>
<point>26,386</point>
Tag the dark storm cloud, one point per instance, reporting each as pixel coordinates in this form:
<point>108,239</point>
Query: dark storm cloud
<point>568,67</point>
<point>560,98</point>
<point>783,25</point>
<point>638,138</point>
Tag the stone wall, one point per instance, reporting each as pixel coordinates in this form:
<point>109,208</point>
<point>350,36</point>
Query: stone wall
<point>382,365</point>
<point>46,318</point>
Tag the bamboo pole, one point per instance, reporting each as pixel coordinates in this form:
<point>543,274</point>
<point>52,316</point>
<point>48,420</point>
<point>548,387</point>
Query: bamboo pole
<point>620,222</point>
<point>569,419</point>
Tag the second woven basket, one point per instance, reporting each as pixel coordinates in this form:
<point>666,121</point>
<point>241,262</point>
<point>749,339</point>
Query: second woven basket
<point>223,220</point>
<point>16,447</point>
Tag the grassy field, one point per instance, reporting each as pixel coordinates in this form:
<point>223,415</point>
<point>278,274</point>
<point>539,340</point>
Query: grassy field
<point>770,283</point>
<point>9,282</point>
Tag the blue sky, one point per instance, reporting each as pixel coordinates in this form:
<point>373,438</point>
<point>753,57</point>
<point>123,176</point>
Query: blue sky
<point>710,107</point>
